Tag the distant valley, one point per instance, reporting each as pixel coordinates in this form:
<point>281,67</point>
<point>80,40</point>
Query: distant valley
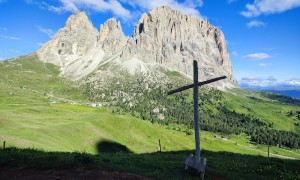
<point>293,92</point>
<point>286,92</point>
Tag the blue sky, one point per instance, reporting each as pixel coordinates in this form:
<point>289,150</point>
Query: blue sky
<point>263,36</point>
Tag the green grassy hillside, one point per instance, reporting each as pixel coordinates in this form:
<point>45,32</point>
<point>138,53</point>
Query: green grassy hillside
<point>268,110</point>
<point>29,88</point>
<point>64,127</point>
<point>41,110</point>
<point>70,128</point>
<point>28,80</point>
<point>165,165</point>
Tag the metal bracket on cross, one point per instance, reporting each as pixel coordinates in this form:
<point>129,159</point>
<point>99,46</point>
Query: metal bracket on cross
<point>190,162</point>
<point>200,167</point>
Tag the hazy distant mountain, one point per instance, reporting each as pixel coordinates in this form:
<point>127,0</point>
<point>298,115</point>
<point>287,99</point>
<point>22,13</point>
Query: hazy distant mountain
<point>291,93</point>
<point>287,90</point>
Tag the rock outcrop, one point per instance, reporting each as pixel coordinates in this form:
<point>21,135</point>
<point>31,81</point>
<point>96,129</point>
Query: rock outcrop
<point>74,40</point>
<point>111,36</point>
<point>174,40</point>
<point>162,38</point>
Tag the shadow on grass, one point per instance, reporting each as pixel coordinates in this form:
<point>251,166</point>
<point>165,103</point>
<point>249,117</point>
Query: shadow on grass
<point>107,146</point>
<point>165,165</point>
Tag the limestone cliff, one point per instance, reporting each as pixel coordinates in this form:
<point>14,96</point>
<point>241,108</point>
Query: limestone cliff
<point>111,36</point>
<point>163,38</point>
<point>170,38</point>
<point>74,40</point>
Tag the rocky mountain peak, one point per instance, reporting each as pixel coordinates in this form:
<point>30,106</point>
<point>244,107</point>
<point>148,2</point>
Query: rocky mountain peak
<point>110,26</point>
<point>79,21</point>
<point>168,37</point>
<point>163,38</point>
<point>70,47</point>
<point>111,35</point>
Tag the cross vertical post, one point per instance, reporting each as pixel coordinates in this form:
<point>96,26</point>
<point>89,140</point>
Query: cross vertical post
<point>190,162</point>
<point>269,146</point>
<point>196,112</point>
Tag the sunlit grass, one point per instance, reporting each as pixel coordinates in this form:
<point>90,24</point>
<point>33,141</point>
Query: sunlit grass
<point>266,110</point>
<point>64,127</point>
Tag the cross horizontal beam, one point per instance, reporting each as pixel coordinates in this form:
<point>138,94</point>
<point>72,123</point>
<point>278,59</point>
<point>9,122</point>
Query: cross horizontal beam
<point>192,85</point>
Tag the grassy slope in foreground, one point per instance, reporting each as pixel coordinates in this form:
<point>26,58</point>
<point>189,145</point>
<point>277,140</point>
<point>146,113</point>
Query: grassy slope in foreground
<point>27,119</point>
<point>165,165</point>
<point>63,127</point>
<point>26,81</point>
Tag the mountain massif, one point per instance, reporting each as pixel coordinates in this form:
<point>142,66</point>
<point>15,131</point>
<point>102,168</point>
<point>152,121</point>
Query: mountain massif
<point>96,101</point>
<point>163,40</point>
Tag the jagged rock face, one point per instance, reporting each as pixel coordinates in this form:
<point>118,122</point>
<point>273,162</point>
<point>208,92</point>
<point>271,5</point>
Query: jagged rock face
<point>74,48</point>
<point>162,38</point>
<point>74,40</point>
<point>170,38</point>
<point>111,36</point>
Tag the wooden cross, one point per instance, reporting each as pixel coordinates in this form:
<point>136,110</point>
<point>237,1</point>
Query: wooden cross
<point>189,161</point>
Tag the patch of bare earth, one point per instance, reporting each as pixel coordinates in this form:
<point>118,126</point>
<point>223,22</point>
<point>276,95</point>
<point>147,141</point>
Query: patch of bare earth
<point>32,174</point>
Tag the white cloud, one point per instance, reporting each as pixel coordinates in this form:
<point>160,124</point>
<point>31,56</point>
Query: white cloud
<point>258,81</point>
<point>194,3</point>
<point>263,64</point>
<point>255,24</point>
<point>10,37</point>
<point>268,82</point>
<point>14,51</point>
<point>257,56</point>
<point>234,53</point>
<point>187,7</point>
<point>97,5</point>
<point>3,28</point>
<point>119,7</point>
<point>292,82</point>
<point>49,32</point>
<point>58,10</point>
<point>40,44</point>
<point>269,7</point>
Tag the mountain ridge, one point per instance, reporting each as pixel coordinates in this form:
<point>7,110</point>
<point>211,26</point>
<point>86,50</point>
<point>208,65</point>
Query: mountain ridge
<point>163,38</point>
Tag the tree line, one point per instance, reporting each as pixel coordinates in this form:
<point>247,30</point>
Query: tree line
<point>149,101</point>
